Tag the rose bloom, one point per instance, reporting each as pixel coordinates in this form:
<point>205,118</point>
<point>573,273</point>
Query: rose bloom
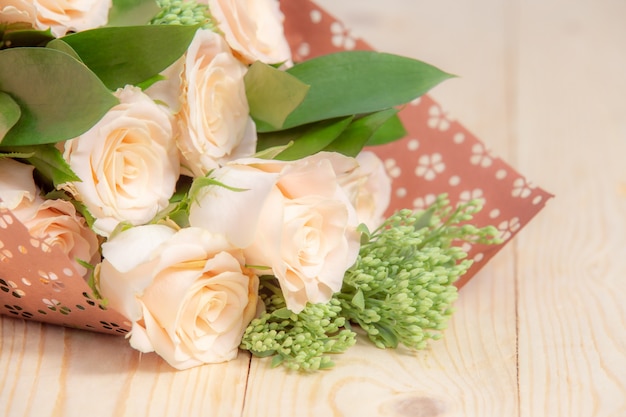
<point>253,28</point>
<point>214,121</point>
<point>367,185</point>
<point>128,163</point>
<point>293,217</point>
<point>187,293</point>
<point>55,222</point>
<point>61,16</point>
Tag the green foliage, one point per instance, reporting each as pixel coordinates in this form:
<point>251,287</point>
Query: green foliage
<point>298,341</point>
<point>401,289</point>
<point>359,132</point>
<point>304,140</point>
<point>272,94</point>
<point>130,54</point>
<point>9,113</point>
<point>358,82</point>
<point>48,162</point>
<point>20,34</point>
<point>49,85</point>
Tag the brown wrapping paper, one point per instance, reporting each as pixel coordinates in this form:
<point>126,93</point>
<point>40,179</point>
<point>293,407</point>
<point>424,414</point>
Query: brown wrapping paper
<point>437,156</point>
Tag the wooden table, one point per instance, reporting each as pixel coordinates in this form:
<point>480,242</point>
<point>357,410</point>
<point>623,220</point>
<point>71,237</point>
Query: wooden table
<point>541,331</point>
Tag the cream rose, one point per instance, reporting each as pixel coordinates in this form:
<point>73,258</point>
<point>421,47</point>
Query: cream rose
<point>17,187</point>
<point>253,28</point>
<point>12,11</point>
<point>55,222</point>
<point>187,293</point>
<point>292,217</point>
<point>128,163</point>
<point>214,121</point>
<point>61,16</point>
<point>366,183</point>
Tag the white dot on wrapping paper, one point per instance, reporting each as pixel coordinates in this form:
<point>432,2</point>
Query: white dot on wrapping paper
<point>454,180</point>
<point>304,49</point>
<point>479,257</point>
<point>501,174</point>
<point>537,199</point>
<point>68,272</point>
<point>401,192</point>
<point>26,282</point>
<point>458,138</point>
<point>316,16</point>
<point>494,213</point>
<point>413,144</point>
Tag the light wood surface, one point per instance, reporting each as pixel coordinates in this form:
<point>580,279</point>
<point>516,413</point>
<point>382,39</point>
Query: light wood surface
<point>541,331</point>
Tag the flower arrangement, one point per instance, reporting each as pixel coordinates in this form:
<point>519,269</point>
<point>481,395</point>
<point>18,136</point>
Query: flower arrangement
<point>213,190</point>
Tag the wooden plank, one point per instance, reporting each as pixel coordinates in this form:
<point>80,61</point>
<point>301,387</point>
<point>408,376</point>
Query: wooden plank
<point>472,372</point>
<point>52,371</point>
<point>572,268</point>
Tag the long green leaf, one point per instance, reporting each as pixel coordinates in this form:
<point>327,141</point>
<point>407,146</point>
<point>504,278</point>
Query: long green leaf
<point>131,54</point>
<point>59,97</point>
<point>352,140</point>
<point>315,138</point>
<point>357,82</point>
<point>272,94</point>
<point>390,131</point>
<point>17,34</point>
<point>9,113</point>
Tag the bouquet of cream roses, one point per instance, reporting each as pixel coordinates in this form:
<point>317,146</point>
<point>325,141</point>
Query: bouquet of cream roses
<point>214,192</point>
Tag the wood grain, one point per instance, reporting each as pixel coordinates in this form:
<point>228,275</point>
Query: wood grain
<point>541,331</point>
<point>572,269</point>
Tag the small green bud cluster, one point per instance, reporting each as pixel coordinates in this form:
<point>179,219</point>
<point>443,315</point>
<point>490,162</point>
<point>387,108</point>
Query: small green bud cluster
<point>298,341</point>
<point>401,289</point>
<point>183,12</point>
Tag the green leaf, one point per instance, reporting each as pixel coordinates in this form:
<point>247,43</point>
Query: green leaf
<point>272,94</point>
<point>18,34</point>
<point>132,12</point>
<point>307,140</point>
<point>9,113</point>
<point>131,54</point>
<point>59,97</point>
<point>359,300</point>
<point>357,82</point>
<point>390,131</point>
<point>49,162</point>
<point>61,46</point>
<point>352,140</point>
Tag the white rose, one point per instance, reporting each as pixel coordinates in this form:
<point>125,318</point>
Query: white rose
<point>293,217</point>
<point>55,222</point>
<point>253,28</point>
<point>187,293</point>
<point>12,11</point>
<point>128,162</point>
<point>214,121</point>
